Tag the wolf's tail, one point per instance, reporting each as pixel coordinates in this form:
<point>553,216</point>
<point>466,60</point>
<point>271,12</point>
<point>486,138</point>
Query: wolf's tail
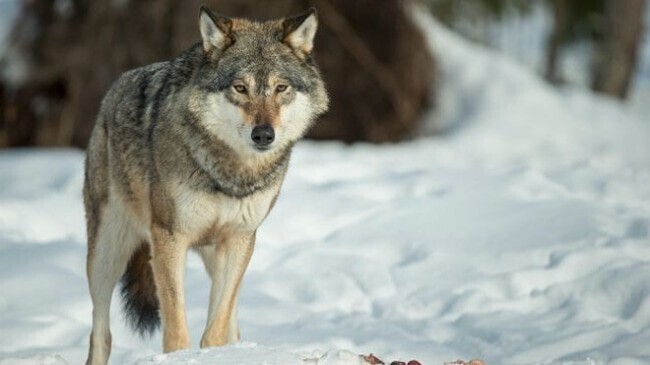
<point>139,293</point>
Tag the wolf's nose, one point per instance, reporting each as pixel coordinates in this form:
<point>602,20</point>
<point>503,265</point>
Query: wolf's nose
<point>263,135</point>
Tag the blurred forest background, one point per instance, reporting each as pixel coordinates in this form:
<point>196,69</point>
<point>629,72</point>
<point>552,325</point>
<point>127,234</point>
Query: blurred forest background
<point>58,57</point>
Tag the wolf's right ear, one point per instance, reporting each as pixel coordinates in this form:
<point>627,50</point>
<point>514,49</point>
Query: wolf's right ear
<point>215,30</point>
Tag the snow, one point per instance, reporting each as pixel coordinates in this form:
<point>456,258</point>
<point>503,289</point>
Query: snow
<point>8,12</point>
<point>518,234</point>
<point>237,354</point>
<point>250,353</point>
<point>640,98</point>
<point>13,63</point>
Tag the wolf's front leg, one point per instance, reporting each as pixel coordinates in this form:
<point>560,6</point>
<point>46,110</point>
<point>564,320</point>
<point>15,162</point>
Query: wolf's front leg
<point>226,263</point>
<point>168,263</point>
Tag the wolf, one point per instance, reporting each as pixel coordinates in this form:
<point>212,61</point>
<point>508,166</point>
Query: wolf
<point>191,154</point>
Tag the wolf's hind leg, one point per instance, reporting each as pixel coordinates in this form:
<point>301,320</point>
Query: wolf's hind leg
<point>115,242</point>
<point>226,263</point>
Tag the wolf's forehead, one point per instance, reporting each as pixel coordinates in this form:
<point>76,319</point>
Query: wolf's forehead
<point>261,77</point>
<point>266,74</point>
<point>263,68</point>
<point>259,56</point>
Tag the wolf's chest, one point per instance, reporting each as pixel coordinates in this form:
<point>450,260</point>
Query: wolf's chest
<point>199,211</point>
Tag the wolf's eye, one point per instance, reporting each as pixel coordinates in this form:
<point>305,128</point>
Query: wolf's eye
<point>240,89</point>
<point>280,88</point>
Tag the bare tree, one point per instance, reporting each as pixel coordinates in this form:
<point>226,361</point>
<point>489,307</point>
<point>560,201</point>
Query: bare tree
<point>556,40</point>
<point>374,59</point>
<point>616,58</point>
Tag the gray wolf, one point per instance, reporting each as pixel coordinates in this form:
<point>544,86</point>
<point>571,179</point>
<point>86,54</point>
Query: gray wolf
<point>191,154</point>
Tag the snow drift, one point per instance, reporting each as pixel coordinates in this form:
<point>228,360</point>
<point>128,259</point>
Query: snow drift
<point>519,235</point>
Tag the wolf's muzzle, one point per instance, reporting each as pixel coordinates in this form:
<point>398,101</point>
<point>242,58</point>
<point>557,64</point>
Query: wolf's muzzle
<point>263,135</point>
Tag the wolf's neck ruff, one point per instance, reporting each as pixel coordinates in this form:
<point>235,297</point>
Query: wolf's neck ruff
<point>219,169</point>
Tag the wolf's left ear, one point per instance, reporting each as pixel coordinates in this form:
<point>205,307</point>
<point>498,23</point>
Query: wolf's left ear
<point>299,31</point>
<point>215,30</point>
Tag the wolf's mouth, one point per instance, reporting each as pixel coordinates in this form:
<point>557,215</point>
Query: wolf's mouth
<point>262,148</point>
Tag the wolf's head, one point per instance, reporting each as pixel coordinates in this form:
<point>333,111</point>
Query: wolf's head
<point>263,90</point>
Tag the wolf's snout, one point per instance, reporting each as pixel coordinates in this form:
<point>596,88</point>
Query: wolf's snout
<point>263,135</point>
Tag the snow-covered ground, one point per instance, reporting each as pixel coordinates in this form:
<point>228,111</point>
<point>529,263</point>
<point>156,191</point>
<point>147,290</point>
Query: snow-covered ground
<point>519,236</point>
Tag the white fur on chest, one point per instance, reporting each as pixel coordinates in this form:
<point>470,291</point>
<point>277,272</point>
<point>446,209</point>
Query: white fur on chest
<point>198,211</point>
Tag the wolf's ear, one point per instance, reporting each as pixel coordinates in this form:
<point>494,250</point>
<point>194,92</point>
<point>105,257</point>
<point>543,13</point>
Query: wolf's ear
<point>299,31</point>
<point>215,30</point>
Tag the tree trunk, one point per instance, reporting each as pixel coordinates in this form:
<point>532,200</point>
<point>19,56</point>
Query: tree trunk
<point>374,60</point>
<point>616,59</point>
<point>556,40</point>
